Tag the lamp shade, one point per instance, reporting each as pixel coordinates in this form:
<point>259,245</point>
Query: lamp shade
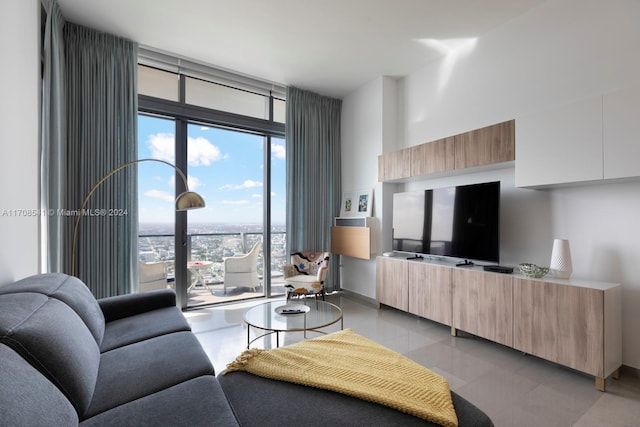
<point>560,264</point>
<point>189,200</point>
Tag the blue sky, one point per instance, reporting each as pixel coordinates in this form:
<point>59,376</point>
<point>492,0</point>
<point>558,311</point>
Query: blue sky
<point>225,167</point>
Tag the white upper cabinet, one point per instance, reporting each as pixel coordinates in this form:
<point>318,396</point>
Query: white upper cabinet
<point>593,139</point>
<point>560,145</point>
<point>621,117</point>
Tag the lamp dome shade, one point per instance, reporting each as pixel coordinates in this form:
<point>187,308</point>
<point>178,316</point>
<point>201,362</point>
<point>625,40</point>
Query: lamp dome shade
<point>189,200</point>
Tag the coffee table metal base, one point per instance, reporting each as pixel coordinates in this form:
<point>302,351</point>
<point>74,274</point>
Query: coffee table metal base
<point>267,333</point>
<point>264,318</point>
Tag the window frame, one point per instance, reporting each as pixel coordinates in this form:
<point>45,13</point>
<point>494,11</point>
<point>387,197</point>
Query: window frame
<point>183,114</point>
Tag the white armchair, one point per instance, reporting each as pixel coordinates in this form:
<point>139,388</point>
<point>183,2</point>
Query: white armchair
<point>242,270</point>
<point>152,275</point>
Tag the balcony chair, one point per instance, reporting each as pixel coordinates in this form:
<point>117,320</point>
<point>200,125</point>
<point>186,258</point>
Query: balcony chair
<point>242,270</point>
<point>306,274</point>
<point>152,275</point>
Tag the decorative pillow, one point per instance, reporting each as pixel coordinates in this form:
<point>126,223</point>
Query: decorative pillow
<point>308,262</point>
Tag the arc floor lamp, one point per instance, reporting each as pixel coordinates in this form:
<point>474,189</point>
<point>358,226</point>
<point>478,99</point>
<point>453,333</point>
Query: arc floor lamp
<point>185,201</point>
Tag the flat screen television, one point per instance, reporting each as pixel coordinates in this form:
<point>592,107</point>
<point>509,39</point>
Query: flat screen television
<point>459,222</point>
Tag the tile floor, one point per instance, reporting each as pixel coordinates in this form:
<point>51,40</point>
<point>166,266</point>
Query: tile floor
<point>512,388</point>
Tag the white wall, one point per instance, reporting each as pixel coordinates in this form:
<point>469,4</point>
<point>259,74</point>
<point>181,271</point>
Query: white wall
<point>19,133</point>
<point>559,52</point>
<point>368,129</point>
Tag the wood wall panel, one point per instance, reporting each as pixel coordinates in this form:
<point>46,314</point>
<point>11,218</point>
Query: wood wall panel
<point>485,146</point>
<point>392,282</point>
<point>465,297</point>
<point>535,311</point>
<point>434,157</point>
<point>577,324</point>
<point>495,308</point>
<point>480,147</point>
<point>581,329</point>
<point>351,241</point>
<point>430,292</point>
<point>395,165</point>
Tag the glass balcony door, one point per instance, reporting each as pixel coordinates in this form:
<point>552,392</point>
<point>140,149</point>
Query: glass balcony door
<point>242,193</point>
<point>227,168</point>
<point>278,257</point>
<point>156,196</point>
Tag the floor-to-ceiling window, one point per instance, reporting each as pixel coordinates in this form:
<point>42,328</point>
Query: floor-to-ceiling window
<point>229,142</point>
<point>226,168</point>
<point>156,242</point>
<point>278,256</point>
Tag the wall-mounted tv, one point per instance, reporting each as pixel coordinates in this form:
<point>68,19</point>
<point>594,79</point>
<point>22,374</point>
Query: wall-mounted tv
<point>459,222</point>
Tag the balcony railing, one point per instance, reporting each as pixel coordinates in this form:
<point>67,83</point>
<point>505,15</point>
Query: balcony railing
<point>212,247</point>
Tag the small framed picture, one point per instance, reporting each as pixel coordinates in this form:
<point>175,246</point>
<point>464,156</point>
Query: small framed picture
<point>364,200</point>
<point>348,207</point>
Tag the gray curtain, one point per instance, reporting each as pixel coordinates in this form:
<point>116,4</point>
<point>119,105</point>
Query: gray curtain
<point>53,137</point>
<point>313,174</point>
<point>102,107</point>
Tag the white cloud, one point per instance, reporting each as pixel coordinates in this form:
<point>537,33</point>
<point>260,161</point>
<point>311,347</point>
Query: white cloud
<point>250,184</point>
<point>162,146</point>
<point>192,181</point>
<point>246,184</point>
<point>200,150</point>
<point>159,194</point>
<point>234,202</point>
<point>256,196</point>
<point>278,151</point>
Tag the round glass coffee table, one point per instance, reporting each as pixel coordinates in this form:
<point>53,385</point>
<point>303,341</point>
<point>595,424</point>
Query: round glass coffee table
<point>291,316</point>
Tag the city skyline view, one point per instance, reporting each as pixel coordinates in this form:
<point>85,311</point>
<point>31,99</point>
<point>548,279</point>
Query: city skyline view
<point>167,228</point>
<point>225,167</point>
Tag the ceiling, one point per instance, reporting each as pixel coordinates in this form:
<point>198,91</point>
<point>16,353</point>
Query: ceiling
<point>331,47</point>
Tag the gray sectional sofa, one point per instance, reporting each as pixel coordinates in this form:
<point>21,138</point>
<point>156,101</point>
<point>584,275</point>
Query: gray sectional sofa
<point>68,359</point>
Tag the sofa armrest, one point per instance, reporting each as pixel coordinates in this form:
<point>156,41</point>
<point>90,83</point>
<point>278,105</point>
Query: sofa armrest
<point>121,306</point>
<point>322,273</point>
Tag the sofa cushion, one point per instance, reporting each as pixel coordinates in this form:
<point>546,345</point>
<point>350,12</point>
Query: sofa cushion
<point>27,398</point>
<point>68,289</point>
<point>140,369</point>
<point>143,326</point>
<point>121,306</point>
<point>53,339</point>
<point>316,407</point>
<point>197,402</point>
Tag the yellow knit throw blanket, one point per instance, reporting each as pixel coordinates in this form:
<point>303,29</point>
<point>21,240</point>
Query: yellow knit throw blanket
<point>348,363</point>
